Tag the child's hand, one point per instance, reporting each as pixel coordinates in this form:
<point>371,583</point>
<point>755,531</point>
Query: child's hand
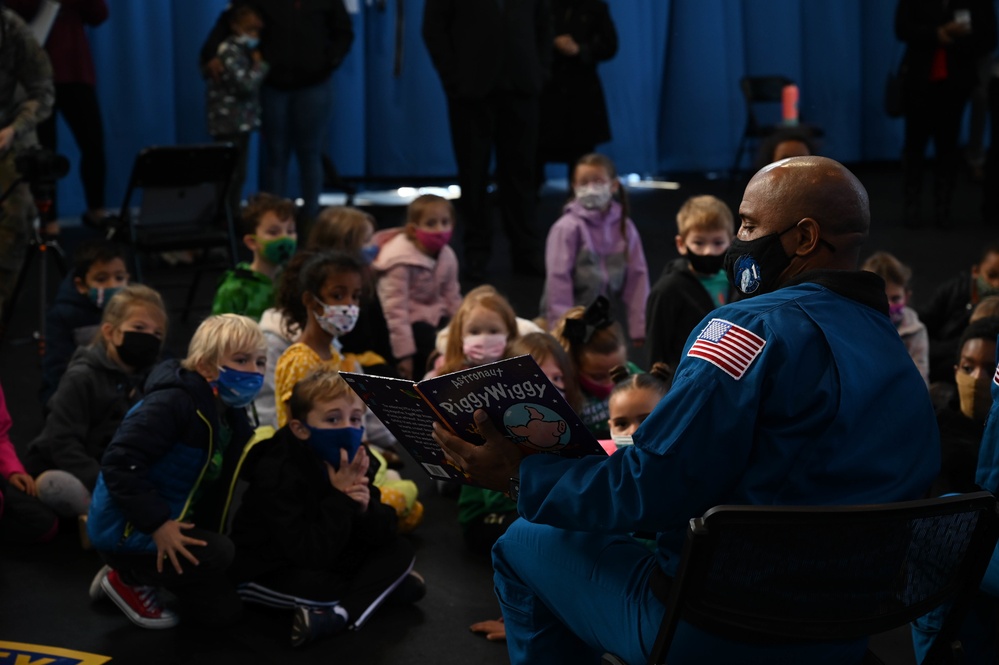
<point>494,630</point>
<point>360,493</point>
<point>170,540</point>
<point>567,45</point>
<point>350,473</point>
<point>23,482</point>
<point>405,368</point>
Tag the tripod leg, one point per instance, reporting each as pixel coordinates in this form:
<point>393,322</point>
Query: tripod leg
<point>11,303</point>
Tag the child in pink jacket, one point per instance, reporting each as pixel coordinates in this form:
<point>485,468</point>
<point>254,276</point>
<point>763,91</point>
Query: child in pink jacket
<point>23,518</point>
<point>418,281</point>
<point>594,249</point>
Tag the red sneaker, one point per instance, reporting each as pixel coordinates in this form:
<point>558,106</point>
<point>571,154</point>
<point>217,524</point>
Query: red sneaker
<point>141,604</point>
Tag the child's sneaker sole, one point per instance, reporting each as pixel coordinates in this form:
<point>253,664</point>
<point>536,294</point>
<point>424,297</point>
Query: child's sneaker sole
<point>96,585</point>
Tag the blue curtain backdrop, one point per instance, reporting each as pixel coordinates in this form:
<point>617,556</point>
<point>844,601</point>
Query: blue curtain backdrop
<point>672,90</point>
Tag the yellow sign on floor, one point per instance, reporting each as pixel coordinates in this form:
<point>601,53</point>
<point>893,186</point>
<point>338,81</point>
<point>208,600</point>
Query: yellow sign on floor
<point>17,653</point>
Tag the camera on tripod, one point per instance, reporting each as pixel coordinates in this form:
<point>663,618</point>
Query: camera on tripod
<point>41,168</point>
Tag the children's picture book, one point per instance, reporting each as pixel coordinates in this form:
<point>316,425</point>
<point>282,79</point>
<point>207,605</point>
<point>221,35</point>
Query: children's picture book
<point>520,400</point>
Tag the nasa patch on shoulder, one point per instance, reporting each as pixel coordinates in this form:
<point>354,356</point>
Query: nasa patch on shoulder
<point>728,347</point>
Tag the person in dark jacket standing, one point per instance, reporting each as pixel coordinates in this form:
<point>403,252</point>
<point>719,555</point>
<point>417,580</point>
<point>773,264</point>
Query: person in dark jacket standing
<point>76,101</point>
<point>945,39</point>
<point>573,109</point>
<point>303,43</point>
<point>493,57</point>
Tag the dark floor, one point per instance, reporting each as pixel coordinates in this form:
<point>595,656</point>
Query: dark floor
<point>44,589</point>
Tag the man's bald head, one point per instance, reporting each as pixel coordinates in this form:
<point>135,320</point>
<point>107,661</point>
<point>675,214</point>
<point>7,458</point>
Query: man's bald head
<point>821,189</point>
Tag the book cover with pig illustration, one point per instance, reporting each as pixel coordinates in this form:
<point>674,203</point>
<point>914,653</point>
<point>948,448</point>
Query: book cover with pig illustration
<point>521,401</point>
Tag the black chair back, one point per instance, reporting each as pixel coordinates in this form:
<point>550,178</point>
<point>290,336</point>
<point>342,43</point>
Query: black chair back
<point>826,573</point>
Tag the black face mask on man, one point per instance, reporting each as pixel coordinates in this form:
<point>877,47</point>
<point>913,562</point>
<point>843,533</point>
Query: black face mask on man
<point>754,265</point>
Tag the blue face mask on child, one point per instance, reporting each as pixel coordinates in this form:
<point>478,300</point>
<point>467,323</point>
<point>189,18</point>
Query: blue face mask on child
<point>237,388</point>
<point>329,442</point>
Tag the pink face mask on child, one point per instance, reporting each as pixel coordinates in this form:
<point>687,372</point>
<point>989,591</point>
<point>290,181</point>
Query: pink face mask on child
<point>485,348</point>
<point>433,241</point>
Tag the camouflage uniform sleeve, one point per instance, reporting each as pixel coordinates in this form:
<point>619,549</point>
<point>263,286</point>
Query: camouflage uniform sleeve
<point>34,73</point>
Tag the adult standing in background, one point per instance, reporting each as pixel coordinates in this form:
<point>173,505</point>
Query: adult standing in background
<point>26,97</point>
<point>574,116</point>
<point>304,43</point>
<point>75,91</point>
<point>493,57</point>
<point>945,40</point>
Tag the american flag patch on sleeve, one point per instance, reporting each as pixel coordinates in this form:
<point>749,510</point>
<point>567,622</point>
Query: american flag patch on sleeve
<point>728,347</point>
<point>995,377</point>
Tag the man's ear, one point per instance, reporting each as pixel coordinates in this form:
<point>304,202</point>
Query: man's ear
<point>299,429</point>
<point>809,232</point>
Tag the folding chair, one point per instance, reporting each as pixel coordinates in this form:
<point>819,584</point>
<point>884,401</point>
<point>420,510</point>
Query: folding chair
<point>827,573</point>
<point>760,92</point>
<point>176,200</point>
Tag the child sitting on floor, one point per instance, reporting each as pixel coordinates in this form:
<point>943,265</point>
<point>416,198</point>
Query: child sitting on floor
<point>165,486</point>
<point>418,281</point>
<point>311,534</point>
<point>23,518</point>
<point>104,380</point>
<point>99,271</point>
<point>595,344</point>
<point>268,225</point>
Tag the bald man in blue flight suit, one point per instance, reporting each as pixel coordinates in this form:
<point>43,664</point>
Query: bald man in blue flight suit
<point>801,394</point>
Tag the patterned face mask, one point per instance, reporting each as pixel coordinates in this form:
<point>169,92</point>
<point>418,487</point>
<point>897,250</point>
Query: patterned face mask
<point>337,320</point>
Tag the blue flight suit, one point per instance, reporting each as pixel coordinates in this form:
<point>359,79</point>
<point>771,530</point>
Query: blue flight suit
<point>828,410</point>
<point>978,630</point>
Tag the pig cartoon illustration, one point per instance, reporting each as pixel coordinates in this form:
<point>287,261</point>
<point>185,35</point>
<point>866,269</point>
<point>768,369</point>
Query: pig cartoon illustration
<point>544,430</point>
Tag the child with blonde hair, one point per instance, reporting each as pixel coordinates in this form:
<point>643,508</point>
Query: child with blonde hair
<point>694,284</point>
<point>594,249</point>
<point>101,384</point>
<point>418,281</point>
<point>311,534</point>
<point>485,514</point>
<point>479,332</point>
<point>167,480</point>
